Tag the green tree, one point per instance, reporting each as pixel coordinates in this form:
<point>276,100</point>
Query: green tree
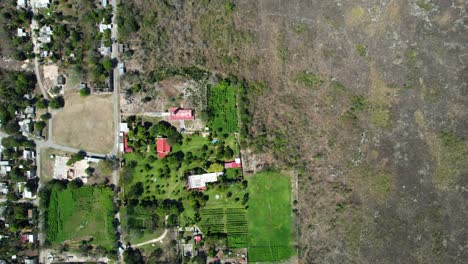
<point>75,157</point>
<point>12,127</point>
<point>39,125</point>
<point>41,104</point>
<point>89,171</point>
<point>228,153</point>
<point>46,116</point>
<point>215,167</point>
<point>57,102</point>
<point>85,91</point>
<point>107,64</point>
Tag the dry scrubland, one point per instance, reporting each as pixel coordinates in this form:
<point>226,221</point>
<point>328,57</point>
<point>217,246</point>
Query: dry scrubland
<point>85,123</point>
<point>366,100</point>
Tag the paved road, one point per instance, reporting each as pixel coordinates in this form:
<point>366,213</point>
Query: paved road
<point>159,239</point>
<point>50,144</point>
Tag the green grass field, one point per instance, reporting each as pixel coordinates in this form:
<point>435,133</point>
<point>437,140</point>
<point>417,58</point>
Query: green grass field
<point>222,108</point>
<point>80,214</point>
<point>270,217</point>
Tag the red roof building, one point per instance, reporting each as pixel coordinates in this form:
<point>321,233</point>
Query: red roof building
<point>178,113</point>
<point>163,148</point>
<point>233,164</point>
<point>126,148</point>
<point>197,238</point>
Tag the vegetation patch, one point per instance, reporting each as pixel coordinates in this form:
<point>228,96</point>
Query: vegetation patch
<point>222,108</point>
<point>81,213</point>
<point>229,221</point>
<point>270,217</point>
<point>381,117</point>
<point>372,182</point>
<point>309,80</point>
<point>451,154</point>
<point>361,50</point>
<point>425,5</point>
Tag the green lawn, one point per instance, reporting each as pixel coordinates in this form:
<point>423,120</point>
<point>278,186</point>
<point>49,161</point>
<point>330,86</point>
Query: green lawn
<point>269,217</point>
<point>80,214</point>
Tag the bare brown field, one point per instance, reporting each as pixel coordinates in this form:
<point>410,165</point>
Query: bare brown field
<point>85,123</point>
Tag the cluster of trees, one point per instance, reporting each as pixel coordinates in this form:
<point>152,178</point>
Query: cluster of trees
<point>13,87</point>
<point>19,48</point>
<point>145,133</point>
<point>79,35</point>
<point>16,215</point>
<point>76,157</point>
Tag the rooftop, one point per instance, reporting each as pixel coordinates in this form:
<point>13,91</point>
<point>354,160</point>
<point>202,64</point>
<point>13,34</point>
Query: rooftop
<point>178,113</point>
<point>199,181</point>
<point>163,148</point>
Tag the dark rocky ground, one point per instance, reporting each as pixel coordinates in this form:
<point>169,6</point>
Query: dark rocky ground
<point>365,100</point>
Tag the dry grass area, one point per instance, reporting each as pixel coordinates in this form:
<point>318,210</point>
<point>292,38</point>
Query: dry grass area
<point>85,123</point>
<point>365,100</point>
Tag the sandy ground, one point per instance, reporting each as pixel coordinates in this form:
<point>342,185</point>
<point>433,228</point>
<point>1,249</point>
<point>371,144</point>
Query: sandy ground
<point>85,123</point>
<point>51,72</point>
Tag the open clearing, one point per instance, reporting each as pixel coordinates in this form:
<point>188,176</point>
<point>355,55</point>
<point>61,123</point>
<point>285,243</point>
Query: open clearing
<point>76,214</point>
<point>85,123</point>
<point>269,217</point>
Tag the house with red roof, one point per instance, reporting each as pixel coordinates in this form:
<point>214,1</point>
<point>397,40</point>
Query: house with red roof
<point>162,147</point>
<point>197,238</point>
<point>177,113</point>
<point>233,164</point>
<point>127,149</point>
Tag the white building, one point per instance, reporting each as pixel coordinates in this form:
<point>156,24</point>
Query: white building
<point>29,154</point>
<point>25,126</point>
<point>42,3</point>
<point>28,194</point>
<point>199,181</point>
<point>3,188</point>
<point>104,27</point>
<point>45,34</point>
<point>124,128</point>
<point>21,33</point>
<point>21,4</point>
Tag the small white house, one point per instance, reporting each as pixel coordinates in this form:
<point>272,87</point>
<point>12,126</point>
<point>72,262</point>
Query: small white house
<point>21,4</point>
<point>21,33</point>
<point>42,3</point>
<point>104,27</point>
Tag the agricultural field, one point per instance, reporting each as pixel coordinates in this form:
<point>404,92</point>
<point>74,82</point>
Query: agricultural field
<point>156,187</point>
<point>229,221</point>
<point>270,217</point>
<point>222,108</point>
<point>76,214</point>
